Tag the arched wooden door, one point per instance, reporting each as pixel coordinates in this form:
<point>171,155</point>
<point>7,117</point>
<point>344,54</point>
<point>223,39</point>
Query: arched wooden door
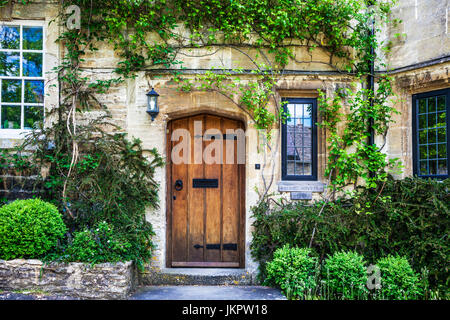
<point>206,204</point>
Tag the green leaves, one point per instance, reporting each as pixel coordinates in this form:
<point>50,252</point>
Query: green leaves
<point>294,270</point>
<point>29,229</point>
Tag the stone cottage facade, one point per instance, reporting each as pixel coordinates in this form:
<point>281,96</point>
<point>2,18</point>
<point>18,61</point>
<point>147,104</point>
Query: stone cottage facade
<point>188,233</point>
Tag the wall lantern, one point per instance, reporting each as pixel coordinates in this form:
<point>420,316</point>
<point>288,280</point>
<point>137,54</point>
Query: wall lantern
<point>152,103</point>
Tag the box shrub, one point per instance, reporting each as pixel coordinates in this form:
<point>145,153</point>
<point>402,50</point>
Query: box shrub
<point>398,279</point>
<point>97,245</point>
<point>344,275</point>
<point>408,217</point>
<point>294,271</point>
<point>29,229</point>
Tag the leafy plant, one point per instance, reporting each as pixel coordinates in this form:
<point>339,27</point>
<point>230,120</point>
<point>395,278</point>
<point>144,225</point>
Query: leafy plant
<point>294,270</point>
<point>97,245</point>
<point>29,229</point>
<point>408,217</point>
<point>345,275</point>
<point>398,280</point>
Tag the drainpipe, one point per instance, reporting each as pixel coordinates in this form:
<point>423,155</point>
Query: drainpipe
<point>371,81</point>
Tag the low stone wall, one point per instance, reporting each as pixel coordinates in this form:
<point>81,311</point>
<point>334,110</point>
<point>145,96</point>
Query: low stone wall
<point>77,280</point>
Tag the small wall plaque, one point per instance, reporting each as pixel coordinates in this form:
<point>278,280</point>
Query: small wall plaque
<point>301,195</point>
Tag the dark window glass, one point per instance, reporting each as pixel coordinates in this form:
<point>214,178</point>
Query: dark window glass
<point>430,133</point>
<point>299,157</point>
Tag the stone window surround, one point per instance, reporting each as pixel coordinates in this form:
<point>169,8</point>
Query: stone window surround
<point>21,133</point>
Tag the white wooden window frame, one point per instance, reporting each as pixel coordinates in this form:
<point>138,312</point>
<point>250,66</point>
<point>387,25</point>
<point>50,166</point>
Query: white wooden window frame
<point>20,133</point>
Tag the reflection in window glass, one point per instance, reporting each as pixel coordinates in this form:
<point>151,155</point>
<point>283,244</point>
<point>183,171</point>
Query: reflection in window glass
<point>34,91</point>
<point>11,117</point>
<point>9,64</point>
<point>9,37</point>
<point>432,136</point>
<point>33,117</point>
<point>32,64</point>
<point>32,38</point>
<point>11,90</point>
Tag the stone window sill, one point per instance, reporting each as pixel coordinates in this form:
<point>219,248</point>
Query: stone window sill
<point>301,186</point>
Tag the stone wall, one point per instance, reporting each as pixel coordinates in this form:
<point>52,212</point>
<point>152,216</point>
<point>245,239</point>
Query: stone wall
<point>77,280</point>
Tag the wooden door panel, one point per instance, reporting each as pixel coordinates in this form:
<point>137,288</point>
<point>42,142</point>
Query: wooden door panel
<point>179,206</point>
<point>196,206</point>
<point>206,222</point>
<point>230,203</point>
<point>213,195</point>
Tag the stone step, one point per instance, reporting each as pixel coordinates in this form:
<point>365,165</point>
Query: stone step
<point>197,276</point>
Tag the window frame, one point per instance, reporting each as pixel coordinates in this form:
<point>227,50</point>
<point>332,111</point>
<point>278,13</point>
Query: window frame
<point>22,132</point>
<point>415,126</point>
<point>284,175</point>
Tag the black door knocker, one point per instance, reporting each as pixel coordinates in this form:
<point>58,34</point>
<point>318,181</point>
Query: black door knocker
<point>178,185</point>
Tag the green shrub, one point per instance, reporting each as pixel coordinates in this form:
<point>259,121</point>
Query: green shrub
<point>410,217</point>
<point>344,275</point>
<point>398,279</point>
<point>97,245</point>
<point>293,270</point>
<point>29,229</point>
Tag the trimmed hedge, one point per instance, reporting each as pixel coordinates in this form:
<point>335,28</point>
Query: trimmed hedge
<point>406,217</point>
<point>398,279</point>
<point>294,271</point>
<point>29,229</point>
<point>345,275</point>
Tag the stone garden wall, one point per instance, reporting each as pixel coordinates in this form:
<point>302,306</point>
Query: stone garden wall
<point>77,280</point>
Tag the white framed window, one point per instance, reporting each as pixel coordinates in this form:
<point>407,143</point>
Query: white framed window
<point>22,67</point>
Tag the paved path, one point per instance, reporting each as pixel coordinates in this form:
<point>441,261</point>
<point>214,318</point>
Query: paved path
<point>207,293</point>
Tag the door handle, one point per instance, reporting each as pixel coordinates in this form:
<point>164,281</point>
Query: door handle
<point>178,185</point>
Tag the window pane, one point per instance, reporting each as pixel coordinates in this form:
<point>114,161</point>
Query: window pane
<point>9,37</point>
<point>423,152</point>
<point>432,135</point>
<point>442,167</point>
<point>9,64</point>
<point>11,117</point>
<point>422,121</point>
<point>11,90</point>
<point>442,150</point>
<point>432,120</point>
<point>441,103</point>
<point>32,38</point>
<point>423,137</point>
<point>441,119</point>
<point>442,135</point>
<point>432,104</point>
<point>423,168</point>
<point>34,91</point>
<point>290,168</point>
<point>422,106</point>
<point>33,117</point>
<point>432,151</point>
<point>32,64</point>
<point>433,167</point>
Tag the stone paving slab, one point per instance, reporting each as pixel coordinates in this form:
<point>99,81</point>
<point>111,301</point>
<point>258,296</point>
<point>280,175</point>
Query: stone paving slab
<point>207,293</point>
